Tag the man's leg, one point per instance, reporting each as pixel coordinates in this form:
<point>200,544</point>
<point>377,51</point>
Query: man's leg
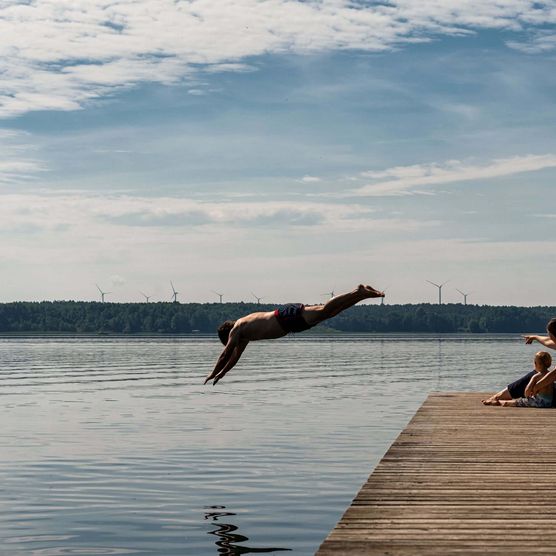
<point>513,391</point>
<point>502,395</point>
<point>517,389</point>
<point>314,314</point>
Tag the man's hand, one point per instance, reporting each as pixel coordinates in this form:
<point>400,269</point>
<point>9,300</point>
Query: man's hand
<point>210,376</point>
<point>220,376</point>
<point>216,375</point>
<point>529,339</point>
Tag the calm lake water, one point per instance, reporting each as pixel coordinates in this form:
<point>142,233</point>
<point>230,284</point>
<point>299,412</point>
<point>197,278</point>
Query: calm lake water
<point>114,446</point>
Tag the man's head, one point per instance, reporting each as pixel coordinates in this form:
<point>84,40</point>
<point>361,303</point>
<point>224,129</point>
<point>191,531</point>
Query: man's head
<point>224,330</point>
<point>551,329</point>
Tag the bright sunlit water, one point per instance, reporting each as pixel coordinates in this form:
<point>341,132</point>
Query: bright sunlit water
<point>114,446</point>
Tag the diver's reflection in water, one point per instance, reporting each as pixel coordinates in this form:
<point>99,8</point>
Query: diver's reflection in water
<point>227,536</point>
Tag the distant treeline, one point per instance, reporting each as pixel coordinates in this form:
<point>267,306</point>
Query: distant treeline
<point>177,318</point>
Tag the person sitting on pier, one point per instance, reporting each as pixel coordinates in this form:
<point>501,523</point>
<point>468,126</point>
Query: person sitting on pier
<point>294,317</point>
<point>522,387</point>
<point>542,396</point>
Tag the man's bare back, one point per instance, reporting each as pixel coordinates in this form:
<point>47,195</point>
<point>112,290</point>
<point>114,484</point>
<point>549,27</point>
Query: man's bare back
<point>235,335</point>
<point>259,326</point>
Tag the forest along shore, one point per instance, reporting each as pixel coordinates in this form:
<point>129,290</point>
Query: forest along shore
<point>183,318</point>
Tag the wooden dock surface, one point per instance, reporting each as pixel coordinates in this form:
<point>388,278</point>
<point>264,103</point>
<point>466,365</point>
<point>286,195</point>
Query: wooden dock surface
<point>461,478</point>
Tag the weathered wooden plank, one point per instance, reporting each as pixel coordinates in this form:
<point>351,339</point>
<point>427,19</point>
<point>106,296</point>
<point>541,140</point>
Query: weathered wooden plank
<point>461,478</point>
<point>412,548</point>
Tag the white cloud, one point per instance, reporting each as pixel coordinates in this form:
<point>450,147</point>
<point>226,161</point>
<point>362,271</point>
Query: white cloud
<point>91,240</point>
<point>129,217</point>
<point>15,163</point>
<point>401,179</point>
<point>310,179</point>
<point>537,43</point>
<point>256,242</point>
<point>234,67</point>
<point>58,55</point>
<point>167,213</point>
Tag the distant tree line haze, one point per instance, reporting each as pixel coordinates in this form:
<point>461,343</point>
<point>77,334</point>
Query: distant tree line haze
<point>176,318</point>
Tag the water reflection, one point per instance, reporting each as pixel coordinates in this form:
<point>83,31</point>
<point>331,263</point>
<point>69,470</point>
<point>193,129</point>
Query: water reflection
<point>440,363</point>
<point>111,442</point>
<point>228,537</point>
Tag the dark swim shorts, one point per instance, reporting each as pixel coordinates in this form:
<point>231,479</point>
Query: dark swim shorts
<point>290,318</point>
<point>517,388</point>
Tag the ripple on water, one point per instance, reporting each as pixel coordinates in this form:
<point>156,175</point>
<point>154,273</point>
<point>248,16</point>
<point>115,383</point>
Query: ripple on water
<point>114,446</point>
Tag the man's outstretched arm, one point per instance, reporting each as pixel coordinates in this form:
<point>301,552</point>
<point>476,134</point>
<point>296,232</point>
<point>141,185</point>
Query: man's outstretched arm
<point>220,363</point>
<point>234,358</point>
<point>229,356</point>
<point>544,340</point>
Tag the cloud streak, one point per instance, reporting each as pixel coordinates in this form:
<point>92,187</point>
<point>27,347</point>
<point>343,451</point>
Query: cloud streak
<point>15,164</point>
<point>147,218</point>
<point>118,216</point>
<point>401,180</point>
<point>57,55</point>
<point>310,179</point>
<point>537,43</point>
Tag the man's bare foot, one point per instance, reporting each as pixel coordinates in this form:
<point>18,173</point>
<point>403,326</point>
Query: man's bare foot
<point>369,291</point>
<point>491,401</point>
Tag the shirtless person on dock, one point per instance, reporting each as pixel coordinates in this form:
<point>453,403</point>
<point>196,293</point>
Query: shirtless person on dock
<point>294,317</point>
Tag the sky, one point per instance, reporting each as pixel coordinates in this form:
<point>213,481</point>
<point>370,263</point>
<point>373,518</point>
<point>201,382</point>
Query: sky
<point>278,148</point>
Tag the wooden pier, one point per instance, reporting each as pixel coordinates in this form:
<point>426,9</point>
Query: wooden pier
<point>461,478</point>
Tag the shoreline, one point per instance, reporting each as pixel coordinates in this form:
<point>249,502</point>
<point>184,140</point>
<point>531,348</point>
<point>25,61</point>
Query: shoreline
<point>306,334</point>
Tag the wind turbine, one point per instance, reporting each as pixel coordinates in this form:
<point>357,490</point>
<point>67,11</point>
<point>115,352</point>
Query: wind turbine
<point>439,286</point>
<point>102,294</point>
<point>257,298</point>
<point>218,294</point>
<point>382,298</point>
<point>147,297</point>
<point>175,293</point>
<point>464,296</point>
